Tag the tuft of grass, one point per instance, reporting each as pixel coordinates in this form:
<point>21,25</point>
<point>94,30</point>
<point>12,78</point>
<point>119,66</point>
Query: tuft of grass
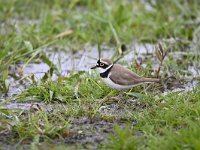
<point>45,125</point>
<point>122,139</point>
<point>66,89</point>
<point>41,123</point>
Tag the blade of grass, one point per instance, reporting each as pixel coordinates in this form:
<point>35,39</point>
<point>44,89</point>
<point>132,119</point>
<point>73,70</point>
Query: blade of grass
<point>115,34</point>
<point>37,51</point>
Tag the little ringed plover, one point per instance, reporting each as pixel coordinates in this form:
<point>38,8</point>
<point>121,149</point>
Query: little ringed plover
<point>118,77</point>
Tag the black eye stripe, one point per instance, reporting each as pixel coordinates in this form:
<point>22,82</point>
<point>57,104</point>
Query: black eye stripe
<point>104,66</point>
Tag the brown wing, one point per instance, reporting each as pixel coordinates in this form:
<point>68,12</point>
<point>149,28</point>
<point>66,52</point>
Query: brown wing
<point>123,76</point>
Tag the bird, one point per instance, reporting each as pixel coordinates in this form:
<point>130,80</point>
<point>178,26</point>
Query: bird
<point>118,77</point>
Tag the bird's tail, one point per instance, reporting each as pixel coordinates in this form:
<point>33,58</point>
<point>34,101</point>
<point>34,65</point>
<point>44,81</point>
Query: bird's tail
<point>151,80</point>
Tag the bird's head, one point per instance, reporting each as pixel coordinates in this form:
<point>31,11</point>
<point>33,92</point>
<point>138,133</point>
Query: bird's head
<point>103,64</point>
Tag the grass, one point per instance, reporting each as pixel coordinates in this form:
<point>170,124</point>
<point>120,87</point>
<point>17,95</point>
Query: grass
<point>167,122</point>
<point>154,121</point>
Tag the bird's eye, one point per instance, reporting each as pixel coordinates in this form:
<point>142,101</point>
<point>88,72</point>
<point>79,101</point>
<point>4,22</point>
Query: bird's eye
<point>101,64</point>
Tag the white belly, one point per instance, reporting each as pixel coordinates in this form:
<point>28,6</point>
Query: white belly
<point>113,85</point>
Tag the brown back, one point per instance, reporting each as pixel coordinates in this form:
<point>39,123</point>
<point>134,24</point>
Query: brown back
<point>123,76</point>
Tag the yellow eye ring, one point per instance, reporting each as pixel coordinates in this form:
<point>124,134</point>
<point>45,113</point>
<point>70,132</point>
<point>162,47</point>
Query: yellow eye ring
<point>101,64</point>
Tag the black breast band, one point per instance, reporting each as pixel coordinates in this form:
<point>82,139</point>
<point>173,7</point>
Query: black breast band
<point>105,74</point>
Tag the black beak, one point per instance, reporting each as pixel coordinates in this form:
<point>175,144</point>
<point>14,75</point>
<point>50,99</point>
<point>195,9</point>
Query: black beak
<point>93,67</point>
